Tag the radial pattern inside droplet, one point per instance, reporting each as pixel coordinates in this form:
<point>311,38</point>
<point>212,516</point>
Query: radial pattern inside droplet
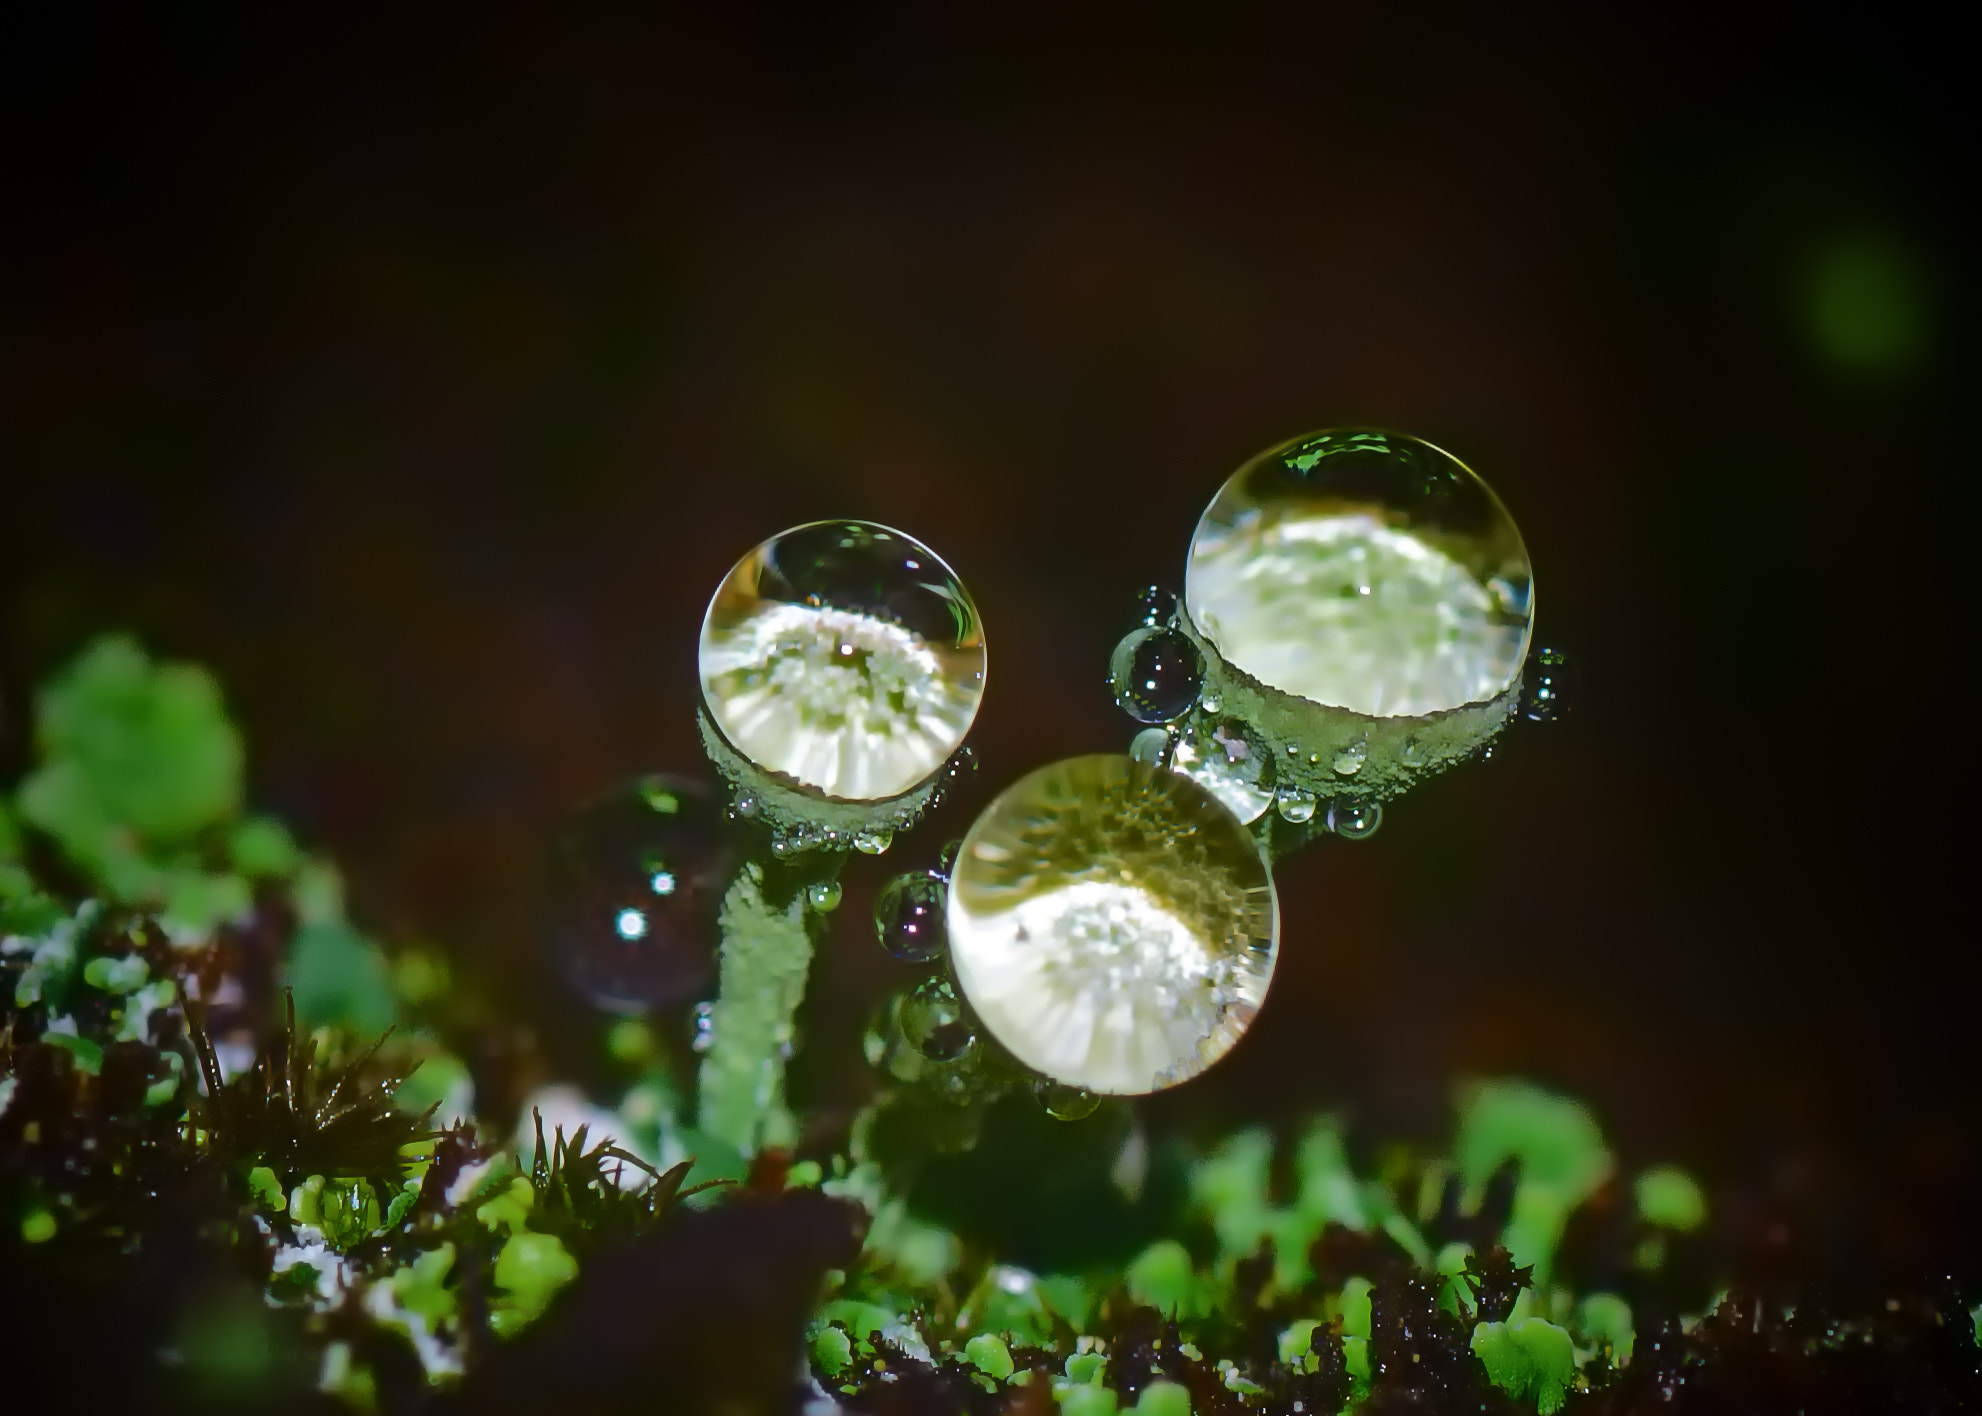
<point>1112,924</point>
<point>1366,571</point>
<point>844,656</point>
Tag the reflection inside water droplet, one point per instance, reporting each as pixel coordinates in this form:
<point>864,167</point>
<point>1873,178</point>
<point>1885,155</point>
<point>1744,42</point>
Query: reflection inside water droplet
<point>1363,570</point>
<point>1227,758</point>
<point>1112,925</point>
<point>844,656</point>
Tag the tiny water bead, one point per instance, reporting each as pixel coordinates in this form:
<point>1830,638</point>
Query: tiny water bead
<point>1154,747</point>
<point>909,916</point>
<point>1227,759</point>
<point>632,885</point>
<point>1156,673</point>
<point>1155,605</point>
<point>845,657</point>
<point>1353,819</point>
<point>1295,804</point>
<point>823,896</point>
<point>1548,685</point>
<point>873,842</point>
<point>1112,925</point>
<point>1065,1103</point>
<point>704,1036</point>
<point>1363,570</point>
<point>933,1022</point>
<point>1350,759</point>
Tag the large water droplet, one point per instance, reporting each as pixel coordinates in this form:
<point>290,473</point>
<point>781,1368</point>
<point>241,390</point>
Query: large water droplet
<point>908,916</point>
<point>933,1022</point>
<point>1295,804</point>
<point>1113,926</point>
<point>632,886</point>
<point>1354,819</point>
<point>1156,673</point>
<point>1548,685</point>
<point>1228,759</point>
<point>843,656</point>
<point>1363,570</point>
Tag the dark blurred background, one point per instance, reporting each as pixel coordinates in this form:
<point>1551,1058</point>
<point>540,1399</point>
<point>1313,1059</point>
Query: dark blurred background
<point>424,375</point>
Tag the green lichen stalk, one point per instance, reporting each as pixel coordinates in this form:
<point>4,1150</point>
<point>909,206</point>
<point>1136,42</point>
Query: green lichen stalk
<point>766,953</point>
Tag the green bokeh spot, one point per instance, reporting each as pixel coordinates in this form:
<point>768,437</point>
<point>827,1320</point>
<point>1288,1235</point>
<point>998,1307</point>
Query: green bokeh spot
<point>1667,1196</point>
<point>341,979</point>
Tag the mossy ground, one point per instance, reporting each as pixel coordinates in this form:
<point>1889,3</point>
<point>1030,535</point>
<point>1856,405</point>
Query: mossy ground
<point>250,1158</point>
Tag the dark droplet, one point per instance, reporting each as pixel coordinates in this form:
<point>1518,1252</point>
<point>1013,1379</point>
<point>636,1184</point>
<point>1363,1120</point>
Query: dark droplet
<point>908,916</point>
<point>1156,674</point>
<point>1155,606</point>
<point>632,888</point>
<point>1548,685</point>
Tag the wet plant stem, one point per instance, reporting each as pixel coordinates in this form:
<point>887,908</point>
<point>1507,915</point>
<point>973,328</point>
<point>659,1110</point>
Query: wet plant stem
<point>766,953</point>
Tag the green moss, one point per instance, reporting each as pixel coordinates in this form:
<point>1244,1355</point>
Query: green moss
<point>1530,1358</point>
<point>987,1352</point>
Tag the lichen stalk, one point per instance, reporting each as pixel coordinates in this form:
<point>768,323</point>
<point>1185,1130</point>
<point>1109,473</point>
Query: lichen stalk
<point>766,954</point>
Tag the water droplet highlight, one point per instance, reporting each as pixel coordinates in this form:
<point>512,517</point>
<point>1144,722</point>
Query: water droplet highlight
<point>1156,673</point>
<point>1366,571</point>
<point>843,656</point>
<point>632,885</point>
<point>1113,926</point>
<point>909,916</point>
<point>1295,804</point>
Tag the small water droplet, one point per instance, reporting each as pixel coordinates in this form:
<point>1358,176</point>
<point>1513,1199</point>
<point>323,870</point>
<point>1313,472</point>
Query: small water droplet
<point>1226,758</point>
<point>873,842</point>
<point>908,916</point>
<point>1152,747</point>
<point>783,845</point>
<point>824,896</point>
<point>1065,1103</point>
<point>1155,606</point>
<point>1156,672</point>
<point>1355,819</point>
<point>1350,759</point>
<point>1211,703</point>
<point>933,1022</point>
<point>1548,686</point>
<point>1295,804</point>
<point>705,1027</point>
<point>746,806</point>
<point>1412,753</point>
